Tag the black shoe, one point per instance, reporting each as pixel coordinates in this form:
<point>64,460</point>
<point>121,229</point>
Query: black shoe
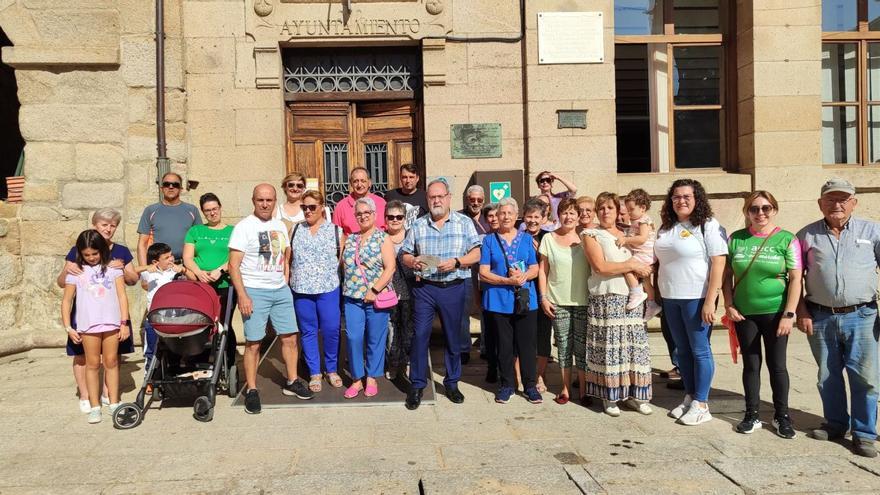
<point>465,358</point>
<point>413,398</point>
<point>864,447</point>
<point>454,395</point>
<point>492,375</point>
<point>586,401</point>
<point>783,427</point>
<point>750,423</point>
<point>252,402</point>
<point>298,389</point>
<point>826,433</point>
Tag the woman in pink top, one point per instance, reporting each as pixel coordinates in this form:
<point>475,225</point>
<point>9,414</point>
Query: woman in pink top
<point>101,316</point>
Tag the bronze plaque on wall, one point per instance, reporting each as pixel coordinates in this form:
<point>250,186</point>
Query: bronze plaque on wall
<point>571,119</point>
<point>476,140</point>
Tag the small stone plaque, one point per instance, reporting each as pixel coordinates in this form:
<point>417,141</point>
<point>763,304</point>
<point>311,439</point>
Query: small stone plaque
<point>571,38</point>
<point>476,140</point>
<point>571,119</point>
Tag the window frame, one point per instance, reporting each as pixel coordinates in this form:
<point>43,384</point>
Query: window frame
<point>861,37</point>
<point>727,102</point>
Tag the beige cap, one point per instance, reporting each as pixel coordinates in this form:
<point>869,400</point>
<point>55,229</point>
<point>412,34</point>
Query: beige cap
<point>838,185</point>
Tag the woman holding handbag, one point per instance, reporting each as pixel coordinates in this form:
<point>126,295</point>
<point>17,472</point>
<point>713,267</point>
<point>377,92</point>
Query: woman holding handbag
<point>508,268</point>
<point>369,263</point>
<point>762,284</point>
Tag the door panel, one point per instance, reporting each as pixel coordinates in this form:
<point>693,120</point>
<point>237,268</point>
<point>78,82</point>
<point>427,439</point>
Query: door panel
<point>327,140</point>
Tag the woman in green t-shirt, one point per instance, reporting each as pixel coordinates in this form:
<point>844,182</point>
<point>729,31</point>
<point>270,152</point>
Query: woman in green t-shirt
<point>206,255</point>
<point>762,284</point>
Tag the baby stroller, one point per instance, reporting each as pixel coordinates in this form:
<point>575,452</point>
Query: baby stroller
<point>190,357</point>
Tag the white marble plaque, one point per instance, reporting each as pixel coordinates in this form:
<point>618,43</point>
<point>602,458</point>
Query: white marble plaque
<point>571,38</point>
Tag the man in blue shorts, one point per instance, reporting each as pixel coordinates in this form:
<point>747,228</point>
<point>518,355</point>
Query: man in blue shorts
<point>259,266</point>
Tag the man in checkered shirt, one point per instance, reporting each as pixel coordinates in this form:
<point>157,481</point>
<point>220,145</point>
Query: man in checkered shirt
<point>450,237</point>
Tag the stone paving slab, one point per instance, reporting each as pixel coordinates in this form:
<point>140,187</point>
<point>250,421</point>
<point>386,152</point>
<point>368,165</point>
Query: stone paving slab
<point>812,474</point>
<point>510,481</point>
<point>661,477</point>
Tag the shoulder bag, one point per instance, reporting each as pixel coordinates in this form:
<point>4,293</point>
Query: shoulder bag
<point>521,295</point>
<point>386,298</point>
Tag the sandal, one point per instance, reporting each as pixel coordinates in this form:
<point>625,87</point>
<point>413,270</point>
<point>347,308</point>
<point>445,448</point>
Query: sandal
<point>540,386</point>
<point>352,391</point>
<point>315,383</point>
<point>334,380</point>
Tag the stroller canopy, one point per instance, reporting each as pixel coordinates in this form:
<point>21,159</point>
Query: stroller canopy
<point>184,306</point>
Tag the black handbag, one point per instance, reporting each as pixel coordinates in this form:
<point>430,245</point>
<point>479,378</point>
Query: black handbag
<point>521,297</point>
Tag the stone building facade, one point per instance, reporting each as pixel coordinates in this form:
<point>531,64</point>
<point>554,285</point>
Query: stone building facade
<point>258,87</point>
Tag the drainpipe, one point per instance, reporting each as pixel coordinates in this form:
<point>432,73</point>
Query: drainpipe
<point>163,165</point>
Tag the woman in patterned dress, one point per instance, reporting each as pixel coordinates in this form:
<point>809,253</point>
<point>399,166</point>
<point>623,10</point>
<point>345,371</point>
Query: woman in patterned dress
<point>618,356</point>
<point>369,264</point>
<point>401,329</point>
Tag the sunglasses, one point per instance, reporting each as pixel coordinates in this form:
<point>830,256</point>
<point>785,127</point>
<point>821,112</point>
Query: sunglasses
<point>296,185</point>
<point>171,185</point>
<point>765,209</point>
<point>395,217</point>
<point>310,207</point>
<point>544,180</point>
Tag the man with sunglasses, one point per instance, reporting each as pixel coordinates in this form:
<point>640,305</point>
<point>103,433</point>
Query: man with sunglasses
<point>359,184</point>
<point>166,221</point>
<point>545,186</point>
<point>838,312</point>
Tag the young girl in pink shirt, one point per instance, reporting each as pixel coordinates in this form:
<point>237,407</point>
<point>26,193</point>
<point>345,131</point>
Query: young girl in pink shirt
<point>101,316</point>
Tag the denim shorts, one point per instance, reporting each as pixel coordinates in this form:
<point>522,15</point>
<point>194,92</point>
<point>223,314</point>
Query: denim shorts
<point>270,304</point>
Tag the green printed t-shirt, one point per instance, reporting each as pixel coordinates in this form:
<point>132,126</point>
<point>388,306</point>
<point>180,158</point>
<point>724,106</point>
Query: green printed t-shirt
<point>763,289</point>
<point>211,248</point>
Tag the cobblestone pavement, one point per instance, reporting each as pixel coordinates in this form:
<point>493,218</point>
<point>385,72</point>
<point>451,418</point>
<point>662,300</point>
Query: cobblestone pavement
<point>477,447</point>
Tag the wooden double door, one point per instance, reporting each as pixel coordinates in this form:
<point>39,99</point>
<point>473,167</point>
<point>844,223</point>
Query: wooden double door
<point>328,139</point>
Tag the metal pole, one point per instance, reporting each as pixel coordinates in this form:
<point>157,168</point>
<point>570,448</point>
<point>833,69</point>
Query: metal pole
<point>163,165</point>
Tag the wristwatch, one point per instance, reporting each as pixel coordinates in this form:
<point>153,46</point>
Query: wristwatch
<point>788,314</point>
<point>457,263</point>
<point>374,291</point>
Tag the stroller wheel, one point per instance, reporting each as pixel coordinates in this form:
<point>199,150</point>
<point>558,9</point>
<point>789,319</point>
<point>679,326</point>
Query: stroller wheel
<point>203,409</point>
<point>127,416</point>
<point>232,381</point>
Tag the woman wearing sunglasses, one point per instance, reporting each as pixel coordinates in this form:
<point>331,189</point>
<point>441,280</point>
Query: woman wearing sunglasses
<point>314,280</point>
<point>400,333</point>
<point>290,211</point>
<point>762,284</point>
<point>545,182</point>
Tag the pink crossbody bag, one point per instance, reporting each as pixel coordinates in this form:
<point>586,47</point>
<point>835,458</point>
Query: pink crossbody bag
<point>385,299</point>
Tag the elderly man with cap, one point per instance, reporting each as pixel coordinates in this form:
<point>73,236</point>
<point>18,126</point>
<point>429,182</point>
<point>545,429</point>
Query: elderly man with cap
<point>838,312</point>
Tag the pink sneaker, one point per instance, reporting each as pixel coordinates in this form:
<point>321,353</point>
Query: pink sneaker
<point>652,309</point>
<point>635,300</point>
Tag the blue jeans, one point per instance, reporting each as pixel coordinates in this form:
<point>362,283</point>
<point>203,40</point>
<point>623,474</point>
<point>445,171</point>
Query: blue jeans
<point>693,350</point>
<point>364,324</point>
<point>150,341</point>
<point>318,313</point>
<point>847,342</point>
<point>465,337</point>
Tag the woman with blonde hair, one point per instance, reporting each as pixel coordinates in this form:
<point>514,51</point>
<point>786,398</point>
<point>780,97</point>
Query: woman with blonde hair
<point>762,285</point>
<point>290,211</point>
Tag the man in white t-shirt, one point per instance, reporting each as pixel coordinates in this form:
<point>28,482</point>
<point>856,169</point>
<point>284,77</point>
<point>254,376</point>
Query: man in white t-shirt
<point>259,254</point>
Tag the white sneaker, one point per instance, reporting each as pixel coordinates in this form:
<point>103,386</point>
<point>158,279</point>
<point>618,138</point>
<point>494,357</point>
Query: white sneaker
<point>635,300</point>
<point>652,309</point>
<point>95,415</point>
<point>105,401</point>
<point>113,407</point>
<point>611,408</point>
<point>682,408</point>
<point>85,406</point>
<point>639,406</point>
<point>696,415</point>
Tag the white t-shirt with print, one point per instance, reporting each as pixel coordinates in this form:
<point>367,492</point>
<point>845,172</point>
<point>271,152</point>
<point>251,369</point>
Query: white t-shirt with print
<point>683,252</point>
<point>154,280</point>
<point>263,244</point>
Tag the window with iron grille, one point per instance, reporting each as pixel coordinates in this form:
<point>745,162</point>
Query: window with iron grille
<point>335,172</point>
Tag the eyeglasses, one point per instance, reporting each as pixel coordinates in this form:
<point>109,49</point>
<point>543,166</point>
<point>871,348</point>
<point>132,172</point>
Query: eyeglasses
<point>310,207</point>
<point>296,185</point>
<point>544,180</point>
<point>171,185</point>
<point>687,198</point>
<point>765,209</point>
<point>476,200</point>
<point>208,211</point>
<point>437,198</point>
<point>363,213</point>
<point>841,202</point>
<point>397,218</point>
